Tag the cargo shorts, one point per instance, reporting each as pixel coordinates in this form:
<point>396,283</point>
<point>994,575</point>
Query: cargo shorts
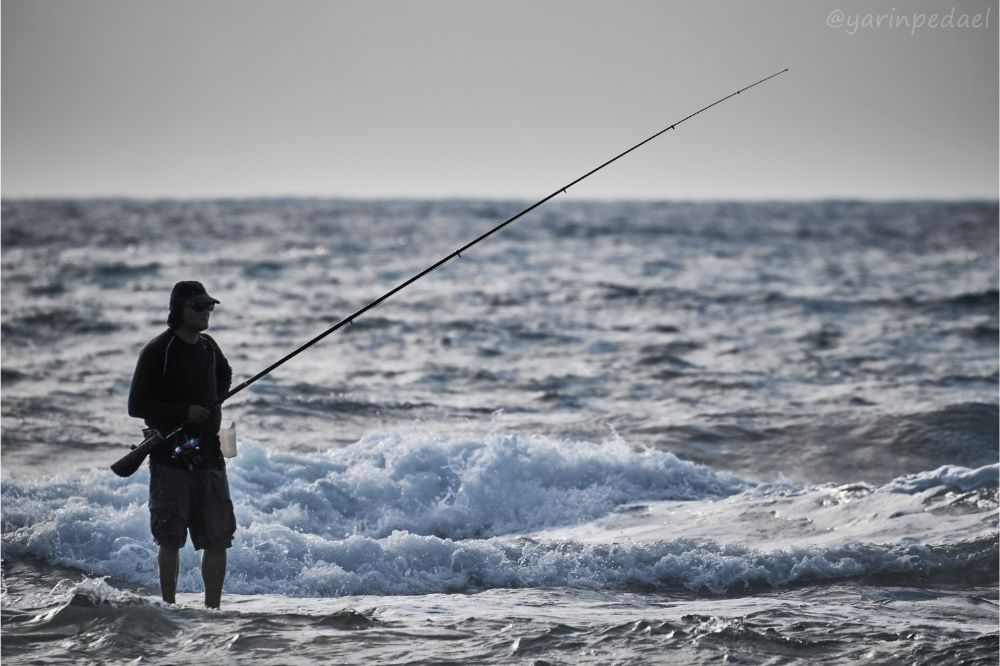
<point>195,500</point>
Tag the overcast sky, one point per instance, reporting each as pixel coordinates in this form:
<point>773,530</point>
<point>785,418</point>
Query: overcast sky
<point>507,98</point>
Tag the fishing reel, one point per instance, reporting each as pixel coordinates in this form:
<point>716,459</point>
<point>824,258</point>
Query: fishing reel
<point>188,450</point>
<point>185,448</point>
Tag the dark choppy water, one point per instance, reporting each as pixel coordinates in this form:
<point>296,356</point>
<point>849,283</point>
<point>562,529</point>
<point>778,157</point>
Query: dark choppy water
<point>614,433</point>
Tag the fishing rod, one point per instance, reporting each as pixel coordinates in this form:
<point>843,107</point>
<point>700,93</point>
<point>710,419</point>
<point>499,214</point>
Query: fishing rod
<point>129,463</point>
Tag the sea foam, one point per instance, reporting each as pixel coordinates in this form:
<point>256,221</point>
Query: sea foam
<point>429,484</point>
<point>948,477</point>
<point>413,513</point>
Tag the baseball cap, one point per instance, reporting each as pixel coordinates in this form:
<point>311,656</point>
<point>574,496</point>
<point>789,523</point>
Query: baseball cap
<point>189,290</point>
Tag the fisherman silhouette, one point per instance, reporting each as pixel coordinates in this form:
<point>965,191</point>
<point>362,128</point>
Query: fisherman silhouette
<point>179,378</point>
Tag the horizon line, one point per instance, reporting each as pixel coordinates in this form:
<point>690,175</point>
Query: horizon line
<point>994,198</point>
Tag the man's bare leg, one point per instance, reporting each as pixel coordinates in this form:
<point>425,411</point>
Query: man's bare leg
<point>169,562</point>
<point>213,572</point>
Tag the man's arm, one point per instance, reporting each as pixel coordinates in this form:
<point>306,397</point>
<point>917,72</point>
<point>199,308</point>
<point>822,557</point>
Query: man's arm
<point>141,401</point>
<point>223,371</point>
<point>224,375</point>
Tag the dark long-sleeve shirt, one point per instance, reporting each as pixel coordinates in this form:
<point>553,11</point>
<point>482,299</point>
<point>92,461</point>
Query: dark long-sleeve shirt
<point>170,376</point>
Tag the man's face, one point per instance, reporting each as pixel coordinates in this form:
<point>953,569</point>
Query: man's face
<point>196,315</point>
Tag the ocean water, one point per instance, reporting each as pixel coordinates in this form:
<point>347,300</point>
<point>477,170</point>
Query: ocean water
<point>616,432</point>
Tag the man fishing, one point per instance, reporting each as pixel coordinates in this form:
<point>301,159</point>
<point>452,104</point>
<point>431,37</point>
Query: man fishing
<point>180,375</point>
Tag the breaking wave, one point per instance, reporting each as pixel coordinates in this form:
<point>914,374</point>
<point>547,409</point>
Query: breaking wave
<point>419,513</point>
